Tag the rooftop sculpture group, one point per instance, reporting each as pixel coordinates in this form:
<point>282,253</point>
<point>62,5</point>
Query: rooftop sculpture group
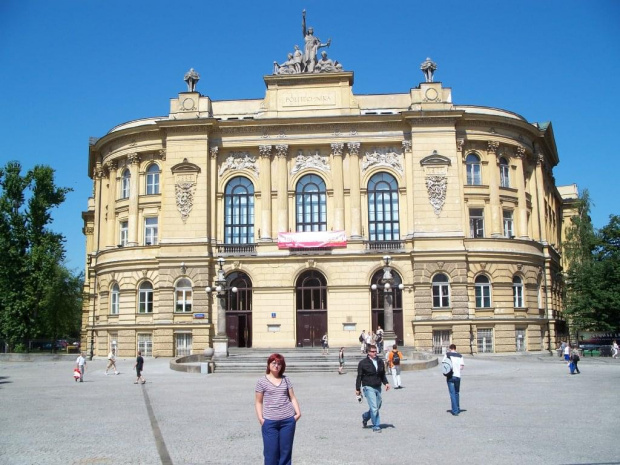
<point>307,62</point>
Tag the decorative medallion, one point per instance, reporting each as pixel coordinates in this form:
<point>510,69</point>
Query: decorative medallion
<point>184,193</point>
<point>436,186</point>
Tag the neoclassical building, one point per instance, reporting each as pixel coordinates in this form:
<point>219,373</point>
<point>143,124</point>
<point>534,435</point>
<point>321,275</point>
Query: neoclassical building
<point>300,199</point>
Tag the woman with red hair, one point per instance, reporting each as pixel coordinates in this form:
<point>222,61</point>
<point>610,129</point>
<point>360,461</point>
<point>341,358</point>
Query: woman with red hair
<point>277,410</point>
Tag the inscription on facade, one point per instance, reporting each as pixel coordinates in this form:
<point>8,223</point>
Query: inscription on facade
<point>309,99</point>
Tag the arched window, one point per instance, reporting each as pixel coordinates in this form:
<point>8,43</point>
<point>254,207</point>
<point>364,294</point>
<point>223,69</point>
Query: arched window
<point>145,300</point>
<point>152,179</point>
<point>517,291</point>
<point>125,184</point>
<point>239,211</point>
<point>483,292</point>
<point>504,173</point>
<point>240,301</point>
<point>383,220</point>
<point>183,296</point>
<point>441,291</point>
<point>310,204</point>
<point>311,291</point>
<point>472,164</point>
<point>114,299</point>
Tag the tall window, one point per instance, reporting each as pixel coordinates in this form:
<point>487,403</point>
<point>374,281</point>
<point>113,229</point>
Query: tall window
<point>483,292</point>
<point>441,291</point>
<point>239,211</point>
<point>152,179</point>
<point>114,299</point>
<point>311,291</point>
<point>145,298</point>
<point>378,295</point>
<point>476,222</point>
<point>472,164</point>
<point>517,291</point>
<point>310,204</point>
<point>242,299</point>
<point>145,344</point>
<point>183,296</point>
<point>383,224</point>
<point>520,339</point>
<point>183,344</point>
<point>485,341</point>
<point>504,173</point>
<point>125,184</point>
<point>150,231</point>
<point>124,233</point>
<point>508,223</point>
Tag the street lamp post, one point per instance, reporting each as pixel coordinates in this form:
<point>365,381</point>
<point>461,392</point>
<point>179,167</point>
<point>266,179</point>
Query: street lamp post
<point>387,281</point>
<point>221,290</point>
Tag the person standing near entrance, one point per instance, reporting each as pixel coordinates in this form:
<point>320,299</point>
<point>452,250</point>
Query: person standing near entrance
<point>139,366</point>
<point>325,344</point>
<point>454,379</point>
<point>370,376</point>
<point>341,361</point>
<point>362,339</point>
<point>278,411</point>
<point>379,339</point>
<point>394,359</point>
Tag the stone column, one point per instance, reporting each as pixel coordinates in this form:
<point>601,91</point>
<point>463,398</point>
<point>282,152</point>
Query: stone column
<point>212,200</point>
<point>356,202</point>
<point>409,186</point>
<point>338,186</point>
<point>282,183</point>
<point>111,240</point>
<point>521,217</point>
<point>134,163</point>
<point>98,175</point>
<point>265,187</point>
<point>540,197</point>
<point>495,207</point>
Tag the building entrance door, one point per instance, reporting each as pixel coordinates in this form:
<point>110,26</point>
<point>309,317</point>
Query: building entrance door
<point>311,326</point>
<point>378,320</point>
<point>239,329</point>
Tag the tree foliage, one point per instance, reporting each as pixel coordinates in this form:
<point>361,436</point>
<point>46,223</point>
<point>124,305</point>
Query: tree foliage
<point>593,275</point>
<point>39,296</point>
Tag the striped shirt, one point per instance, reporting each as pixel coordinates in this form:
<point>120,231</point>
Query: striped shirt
<point>277,404</point>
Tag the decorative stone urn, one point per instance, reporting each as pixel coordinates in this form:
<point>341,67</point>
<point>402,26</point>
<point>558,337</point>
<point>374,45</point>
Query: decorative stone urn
<point>208,352</point>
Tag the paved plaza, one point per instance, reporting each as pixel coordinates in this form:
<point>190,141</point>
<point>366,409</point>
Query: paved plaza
<point>518,409</point>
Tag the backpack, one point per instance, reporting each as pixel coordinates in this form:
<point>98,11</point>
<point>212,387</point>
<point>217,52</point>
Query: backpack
<point>395,358</point>
<point>379,338</point>
<point>446,367</point>
<point>361,338</point>
<point>576,357</point>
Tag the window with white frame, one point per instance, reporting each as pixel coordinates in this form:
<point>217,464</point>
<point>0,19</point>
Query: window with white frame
<point>441,341</point>
<point>123,233</point>
<point>441,291</point>
<point>152,179</point>
<point>472,165</point>
<point>476,223</point>
<point>150,231</point>
<point>145,344</point>
<point>125,184</point>
<point>485,340</point>
<point>508,223</point>
<point>183,344</point>
<point>520,341</point>
<point>504,173</point>
<point>183,296</point>
<point>145,298</point>
<point>517,291</point>
<point>483,292</point>
<point>114,299</point>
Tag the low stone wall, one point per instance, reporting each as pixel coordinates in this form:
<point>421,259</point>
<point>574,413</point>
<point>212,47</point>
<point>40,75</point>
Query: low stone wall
<point>36,357</point>
<point>191,364</point>
<point>418,361</point>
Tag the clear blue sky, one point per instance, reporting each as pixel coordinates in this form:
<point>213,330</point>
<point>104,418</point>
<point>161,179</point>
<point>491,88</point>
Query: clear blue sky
<point>74,69</point>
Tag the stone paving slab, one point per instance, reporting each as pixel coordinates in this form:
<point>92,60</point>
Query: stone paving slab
<point>519,409</point>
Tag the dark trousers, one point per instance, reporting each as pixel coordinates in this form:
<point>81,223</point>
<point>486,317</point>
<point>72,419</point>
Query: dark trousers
<point>278,436</point>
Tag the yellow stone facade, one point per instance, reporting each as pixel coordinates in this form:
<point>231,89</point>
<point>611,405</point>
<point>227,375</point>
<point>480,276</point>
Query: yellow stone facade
<point>475,196</point>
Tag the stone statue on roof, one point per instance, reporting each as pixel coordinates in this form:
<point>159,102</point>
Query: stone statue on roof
<point>428,67</point>
<point>191,78</point>
<point>313,44</point>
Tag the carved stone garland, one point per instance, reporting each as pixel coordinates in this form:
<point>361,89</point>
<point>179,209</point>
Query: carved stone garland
<point>310,161</point>
<point>436,186</point>
<point>184,193</point>
<point>239,161</point>
<point>387,157</point>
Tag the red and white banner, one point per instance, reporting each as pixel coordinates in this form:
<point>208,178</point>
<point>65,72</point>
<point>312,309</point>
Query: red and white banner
<point>302,240</point>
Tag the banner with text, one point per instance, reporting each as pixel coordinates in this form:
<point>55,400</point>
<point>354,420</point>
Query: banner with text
<point>302,240</point>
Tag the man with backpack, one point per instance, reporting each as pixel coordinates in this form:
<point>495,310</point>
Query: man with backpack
<point>394,359</point>
<point>451,365</point>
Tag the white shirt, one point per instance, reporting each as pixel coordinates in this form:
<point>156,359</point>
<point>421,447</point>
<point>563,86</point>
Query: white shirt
<point>457,363</point>
<point>81,360</point>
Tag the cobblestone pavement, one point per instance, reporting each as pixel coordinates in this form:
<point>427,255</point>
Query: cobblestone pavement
<point>518,409</point>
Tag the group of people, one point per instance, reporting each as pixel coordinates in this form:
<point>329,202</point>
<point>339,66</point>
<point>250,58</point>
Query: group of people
<point>80,366</point>
<point>369,338</point>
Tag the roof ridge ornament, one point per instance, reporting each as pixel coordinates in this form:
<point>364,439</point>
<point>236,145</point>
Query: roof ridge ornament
<point>428,67</point>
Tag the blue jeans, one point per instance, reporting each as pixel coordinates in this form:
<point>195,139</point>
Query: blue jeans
<point>373,397</point>
<point>278,438</point>
<point>454,386</point>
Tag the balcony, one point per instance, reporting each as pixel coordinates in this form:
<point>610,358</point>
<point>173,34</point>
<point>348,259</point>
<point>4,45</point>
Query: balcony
<point>393,246</point>
<point>236,249</point>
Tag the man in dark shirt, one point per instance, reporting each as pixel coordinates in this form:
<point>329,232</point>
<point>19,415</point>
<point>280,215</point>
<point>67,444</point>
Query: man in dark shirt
<point>139,366</point>
<point>370,376</point>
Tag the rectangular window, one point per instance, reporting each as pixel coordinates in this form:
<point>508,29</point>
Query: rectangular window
<point>504,176</point>
<point>476,223</point>
<point>441,295</point>
<point>184,300</point>
<point>483,296</point>
<point>517,293</point>
<point>183,344</point>
<point>150,231</point>
<point>520,340</point>
<point>441,341</point>
<point>485,341</point>
<point>145,344</point>
<point>508,224</point>
<point>114,301</point>
<point>124,233</point>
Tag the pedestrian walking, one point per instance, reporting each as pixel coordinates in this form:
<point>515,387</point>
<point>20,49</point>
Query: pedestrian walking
<point>362,339</point>
<point>278,411</point>
<point>567,352</point>
<point>325,344</point>
<point>394,358</point>
<point>81,365</point>
<point>370,376</point>
<point>574,360</point>
<point>614,349</point>
<point>379,340</point>
<point>341,361</point>
<point>111,362</point>
<point>369,338</point>
<point>453,377</point>
<point>139,366</point>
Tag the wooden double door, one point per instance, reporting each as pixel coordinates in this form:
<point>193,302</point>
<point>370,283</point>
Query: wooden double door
<point>239,329</point>
<point>311,326</point>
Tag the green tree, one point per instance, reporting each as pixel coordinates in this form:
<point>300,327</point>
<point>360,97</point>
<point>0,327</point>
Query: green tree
<point>33,272</point>
<point>607,256</point>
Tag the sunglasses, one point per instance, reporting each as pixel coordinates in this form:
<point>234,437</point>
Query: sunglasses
<point>372,351</point>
